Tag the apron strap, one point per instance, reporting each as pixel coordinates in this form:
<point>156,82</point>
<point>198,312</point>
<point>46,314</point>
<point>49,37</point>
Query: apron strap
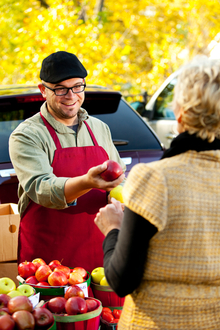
<point>52,132</point>
<point>91,134</point>
<point>55,137</point>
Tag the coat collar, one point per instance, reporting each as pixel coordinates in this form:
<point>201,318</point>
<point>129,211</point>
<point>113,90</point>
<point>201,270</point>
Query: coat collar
<point>185,142</point>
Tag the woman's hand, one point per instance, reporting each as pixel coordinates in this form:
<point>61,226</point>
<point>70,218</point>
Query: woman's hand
<point>109,217</point>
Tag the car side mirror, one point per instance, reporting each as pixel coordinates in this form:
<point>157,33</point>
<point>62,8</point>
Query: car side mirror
<point>139,107</point>
<point>148,114</point>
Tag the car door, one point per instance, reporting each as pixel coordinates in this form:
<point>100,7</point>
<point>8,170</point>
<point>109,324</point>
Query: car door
<point>166,129</point>
<point>159,114</point>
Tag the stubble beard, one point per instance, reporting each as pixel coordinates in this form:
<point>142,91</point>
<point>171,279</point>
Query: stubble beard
<point>60,113</point>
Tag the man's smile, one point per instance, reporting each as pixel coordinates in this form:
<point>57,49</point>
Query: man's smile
<point>68,104</point>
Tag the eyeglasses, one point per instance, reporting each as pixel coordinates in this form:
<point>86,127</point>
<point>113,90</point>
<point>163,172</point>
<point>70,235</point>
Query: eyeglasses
<point>64,90</point>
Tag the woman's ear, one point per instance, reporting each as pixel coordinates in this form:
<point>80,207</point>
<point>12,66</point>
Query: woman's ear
<point>178,111</point>
<point>180,127</point>
<point>179,114</point>
<point>179,118</point>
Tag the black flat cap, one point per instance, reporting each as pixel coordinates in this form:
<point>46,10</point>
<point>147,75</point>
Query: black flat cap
<point>61,66</point>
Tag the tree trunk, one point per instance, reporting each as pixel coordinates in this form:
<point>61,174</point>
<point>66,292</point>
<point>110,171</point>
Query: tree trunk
<point>99,6</point>
<point>44,4</point>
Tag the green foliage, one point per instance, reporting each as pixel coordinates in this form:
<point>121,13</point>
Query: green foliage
<point>130,46</point>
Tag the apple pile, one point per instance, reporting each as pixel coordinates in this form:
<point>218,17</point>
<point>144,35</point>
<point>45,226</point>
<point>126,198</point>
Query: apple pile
<point>8,286</point>
<point>38,273</point>
<point>98,276</point>
<point>18,313</point>
<point>74,302</point>
<point>113,171</point>
<point>110,316</point>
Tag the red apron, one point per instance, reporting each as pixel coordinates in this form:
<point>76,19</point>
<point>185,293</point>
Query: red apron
<point>70,234</point>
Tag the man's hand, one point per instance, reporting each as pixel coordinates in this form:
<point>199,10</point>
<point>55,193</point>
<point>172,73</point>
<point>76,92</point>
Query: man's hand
<point>95,180</point>
<point>80,185</point>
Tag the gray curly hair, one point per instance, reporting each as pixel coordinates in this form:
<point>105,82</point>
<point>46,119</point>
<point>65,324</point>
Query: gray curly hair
<point>197,93</point>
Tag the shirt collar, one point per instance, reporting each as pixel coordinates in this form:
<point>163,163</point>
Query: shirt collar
<point>59,127</point>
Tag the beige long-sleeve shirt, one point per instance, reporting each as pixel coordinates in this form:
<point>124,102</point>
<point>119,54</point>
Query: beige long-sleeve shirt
<point>32,148</point>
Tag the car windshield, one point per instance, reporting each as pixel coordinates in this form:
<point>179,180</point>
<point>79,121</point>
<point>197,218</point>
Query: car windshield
<point>163,103</point>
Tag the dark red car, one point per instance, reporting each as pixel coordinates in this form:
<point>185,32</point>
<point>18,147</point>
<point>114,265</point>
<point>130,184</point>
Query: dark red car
<point>133,138</point>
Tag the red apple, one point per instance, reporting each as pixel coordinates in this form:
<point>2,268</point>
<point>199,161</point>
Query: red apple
<point>76,305</point>
<point>74,291</point>
<point>92,304</point>
<point>19,303</point>
<point>54,263</point>
<point>24,320</point>
<point>57,305</point>
<point>4,299</point>
<point>31,280</point>
<point>114,321</point>
<point>42,284</point>
<point>106,309</point>
<point>64,269</point>
<point>42,273</point>
<point>26,269</point>
<point>43,317</point>
<point>107,316</point>
<point>57,279</point>
<point>7,322</point>
<point>38,262</point>
<point>82,271</point>
<point>113,171</point>
<point>75,278</point>
<point>4,312</point>
<point>116,313</point>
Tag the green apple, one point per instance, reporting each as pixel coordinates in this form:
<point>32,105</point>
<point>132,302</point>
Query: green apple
<point>26,290</point>
<point>104,281</point>
<point>7,285</point>
<point>97,274</point>
<point>14,293</point>
<point>117,193</point>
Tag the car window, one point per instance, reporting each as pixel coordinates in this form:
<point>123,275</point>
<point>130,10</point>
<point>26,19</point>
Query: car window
<point>98,102</point>
<point>12,113</point>
<point>126,125</point>
<point>163,103</point>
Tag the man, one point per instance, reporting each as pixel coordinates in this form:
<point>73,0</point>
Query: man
<point>58,155</point>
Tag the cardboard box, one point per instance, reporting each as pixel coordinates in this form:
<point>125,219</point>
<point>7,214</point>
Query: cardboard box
<point>9,269</point>
<point>9,224</point>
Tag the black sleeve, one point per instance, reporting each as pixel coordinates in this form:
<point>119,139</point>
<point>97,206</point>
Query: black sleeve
<point>125,253</point>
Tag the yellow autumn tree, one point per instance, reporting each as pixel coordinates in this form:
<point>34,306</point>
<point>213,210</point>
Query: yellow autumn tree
<point>127,45</point>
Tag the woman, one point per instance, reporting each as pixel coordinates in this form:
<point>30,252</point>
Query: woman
<point>166,257</point>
